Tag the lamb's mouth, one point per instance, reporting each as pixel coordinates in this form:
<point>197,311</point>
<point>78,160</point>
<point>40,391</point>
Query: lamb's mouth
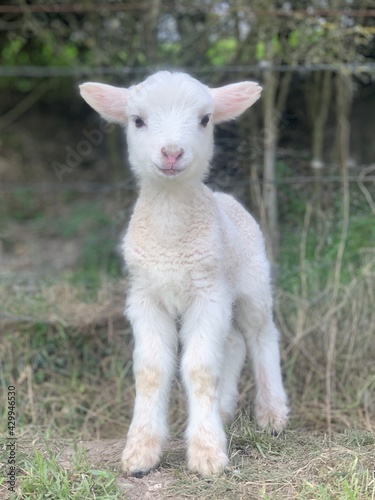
<point>170,171</point>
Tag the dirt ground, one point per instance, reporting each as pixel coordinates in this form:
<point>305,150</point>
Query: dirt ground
<point>105,454</point>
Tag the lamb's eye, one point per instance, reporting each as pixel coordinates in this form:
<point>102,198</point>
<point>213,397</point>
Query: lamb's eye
<point>139,123</point>
<point>205,120</point>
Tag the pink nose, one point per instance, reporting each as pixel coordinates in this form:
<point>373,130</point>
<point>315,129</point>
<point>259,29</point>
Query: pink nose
<point>171,155</point>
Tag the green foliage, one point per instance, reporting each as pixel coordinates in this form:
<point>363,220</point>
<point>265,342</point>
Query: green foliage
<point>222,51</point>
<point>260,50</point>
<point>11,51</point>
<point>42,49</point>
<point>276,45</point>
<point>294,38</point>
<point>171,51</point>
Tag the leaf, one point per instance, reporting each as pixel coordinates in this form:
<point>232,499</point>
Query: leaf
<point>293,39</point>
<point>276,46</point>
<point>260,50</point>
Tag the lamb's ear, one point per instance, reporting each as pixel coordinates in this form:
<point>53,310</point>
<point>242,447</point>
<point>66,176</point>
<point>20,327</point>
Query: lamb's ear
<point>232,100</point>
<point>109,102</point>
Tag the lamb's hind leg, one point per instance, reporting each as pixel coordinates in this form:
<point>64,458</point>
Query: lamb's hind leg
<point>234,358</point>
<point>262,338</point>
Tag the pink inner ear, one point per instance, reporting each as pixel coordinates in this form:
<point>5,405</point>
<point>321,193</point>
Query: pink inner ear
<point>232,100</point>
<point>108,101</point>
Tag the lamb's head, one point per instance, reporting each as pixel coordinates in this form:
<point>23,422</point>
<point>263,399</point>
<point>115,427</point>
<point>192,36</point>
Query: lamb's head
<point>169,121</point>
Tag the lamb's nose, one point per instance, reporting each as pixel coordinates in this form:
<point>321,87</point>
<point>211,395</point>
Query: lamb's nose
<point>171,154</point>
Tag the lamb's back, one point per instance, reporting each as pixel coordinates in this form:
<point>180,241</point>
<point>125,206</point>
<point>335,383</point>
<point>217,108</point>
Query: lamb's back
<point>247,229</point>
<point>246,257</point>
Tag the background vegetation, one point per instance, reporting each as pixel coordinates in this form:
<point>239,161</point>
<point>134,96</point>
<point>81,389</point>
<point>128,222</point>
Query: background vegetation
<point>302,160</point>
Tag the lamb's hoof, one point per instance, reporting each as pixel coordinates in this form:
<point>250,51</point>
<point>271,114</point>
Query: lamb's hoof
<point>206,460</point>
<point>274,418</point>
<point>141,456</point>
<point>140,473</point>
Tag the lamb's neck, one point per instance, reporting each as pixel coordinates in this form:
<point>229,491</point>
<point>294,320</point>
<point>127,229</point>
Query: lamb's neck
<point>172,210</point>
<point>171,193</point>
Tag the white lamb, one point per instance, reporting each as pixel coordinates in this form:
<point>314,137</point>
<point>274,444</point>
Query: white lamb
<point>198,267</point>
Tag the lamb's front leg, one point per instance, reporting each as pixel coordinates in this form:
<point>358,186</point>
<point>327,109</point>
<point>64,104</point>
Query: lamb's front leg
<point>154,365</point>
<point>203,335</point>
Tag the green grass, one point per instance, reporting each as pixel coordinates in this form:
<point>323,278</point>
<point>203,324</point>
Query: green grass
<point>43,477</point>
<point>319,230</point>
<point>320,253</point>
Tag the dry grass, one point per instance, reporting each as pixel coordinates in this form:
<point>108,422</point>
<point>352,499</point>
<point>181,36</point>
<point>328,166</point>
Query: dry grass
<point>62,303</point>
<point>308,324</point>
<point>302,465</point>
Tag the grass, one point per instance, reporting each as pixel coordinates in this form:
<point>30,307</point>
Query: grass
<point>73,369</point>
<point>296,464</point>
<point>68,383</point>
<point>43,477</point>
<point>308,323</point>
<point>85,233</point>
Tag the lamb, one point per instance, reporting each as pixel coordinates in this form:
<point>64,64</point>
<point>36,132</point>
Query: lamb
<point>199,275</point>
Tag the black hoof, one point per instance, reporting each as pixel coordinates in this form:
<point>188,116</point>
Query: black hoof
<point>140,473</point>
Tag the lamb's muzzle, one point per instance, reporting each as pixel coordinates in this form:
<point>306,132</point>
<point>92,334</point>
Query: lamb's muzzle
<point>170,162</point>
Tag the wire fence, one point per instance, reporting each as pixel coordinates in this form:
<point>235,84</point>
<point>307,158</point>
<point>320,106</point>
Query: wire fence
<point>287,11</point>
<point>107,187</point>
<point>56,71</point>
